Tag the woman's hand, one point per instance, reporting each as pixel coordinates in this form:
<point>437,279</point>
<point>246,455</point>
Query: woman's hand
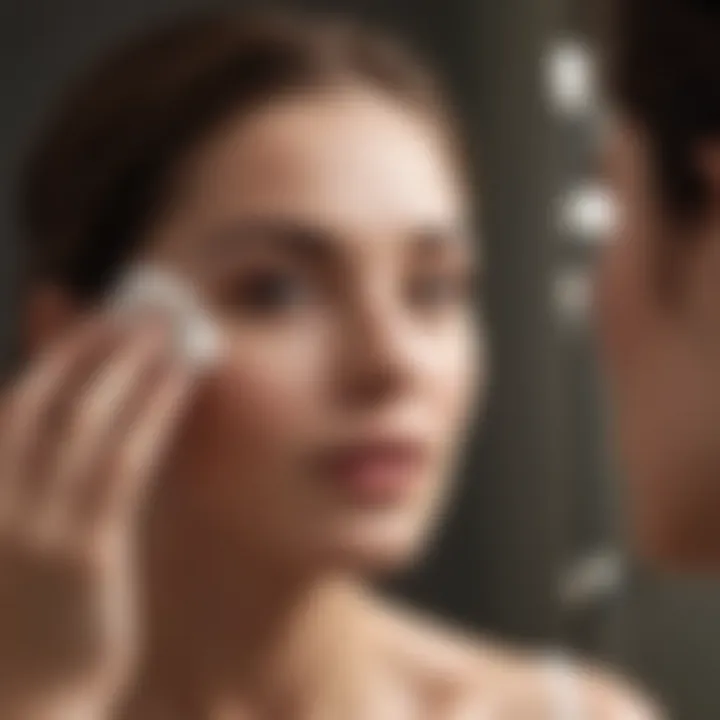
<point>80,437</point>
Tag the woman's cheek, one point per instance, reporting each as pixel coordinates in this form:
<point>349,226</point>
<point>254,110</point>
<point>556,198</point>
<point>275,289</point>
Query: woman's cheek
<point>269,385</point>
<point>460,367</point>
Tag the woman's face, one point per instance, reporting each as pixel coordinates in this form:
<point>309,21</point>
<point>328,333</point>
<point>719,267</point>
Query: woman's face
<point>659,297</point>
<point>330,234</point>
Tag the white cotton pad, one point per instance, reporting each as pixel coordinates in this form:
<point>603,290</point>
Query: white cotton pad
<point>152,289</point>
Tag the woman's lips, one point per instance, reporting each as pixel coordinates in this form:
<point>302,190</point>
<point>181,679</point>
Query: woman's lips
<point>377,472</point>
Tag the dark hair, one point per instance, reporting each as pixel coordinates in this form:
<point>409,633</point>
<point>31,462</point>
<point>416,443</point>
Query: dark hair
<point>99,175</point>
<point>665,72</point>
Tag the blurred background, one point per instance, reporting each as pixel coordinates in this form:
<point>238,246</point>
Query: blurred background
<point>533,551</point>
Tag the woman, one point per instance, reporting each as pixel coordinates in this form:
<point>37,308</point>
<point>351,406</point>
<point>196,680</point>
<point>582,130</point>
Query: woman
<point>198,546</point>
<point>660,280</point>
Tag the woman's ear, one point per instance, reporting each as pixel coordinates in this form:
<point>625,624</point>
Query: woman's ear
<point>49,311</point>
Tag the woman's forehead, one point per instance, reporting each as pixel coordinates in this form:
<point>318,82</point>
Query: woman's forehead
<point>350,157</point>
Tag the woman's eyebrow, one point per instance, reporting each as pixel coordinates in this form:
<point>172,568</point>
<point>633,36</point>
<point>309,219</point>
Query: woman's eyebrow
<point>307,242</point>
<point>318,245</point>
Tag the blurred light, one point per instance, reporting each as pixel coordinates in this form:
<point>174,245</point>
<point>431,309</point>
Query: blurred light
<point>572,295</point>
<point>595,577</point>
<point>570,75</point>
<point>589,213</point>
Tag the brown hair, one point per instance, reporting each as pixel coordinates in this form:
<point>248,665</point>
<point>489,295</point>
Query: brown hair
<point>665,72</point>
<point>103,169</point>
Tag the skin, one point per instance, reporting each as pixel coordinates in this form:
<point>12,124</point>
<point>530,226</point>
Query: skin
<point>659,309</point>
<point>329,236</point>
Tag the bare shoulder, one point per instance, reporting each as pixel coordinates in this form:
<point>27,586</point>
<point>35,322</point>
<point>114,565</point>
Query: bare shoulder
<point>608,695</point>
<point>456,668</point>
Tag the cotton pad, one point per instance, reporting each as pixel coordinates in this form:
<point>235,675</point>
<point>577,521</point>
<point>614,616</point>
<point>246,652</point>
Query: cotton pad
<point>152,289</point>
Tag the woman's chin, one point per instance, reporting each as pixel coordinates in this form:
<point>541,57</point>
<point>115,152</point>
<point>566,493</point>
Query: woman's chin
<point>374,546</point>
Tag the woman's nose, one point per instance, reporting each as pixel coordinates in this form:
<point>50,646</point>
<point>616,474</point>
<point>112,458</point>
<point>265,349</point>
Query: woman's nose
<point>378,362</point>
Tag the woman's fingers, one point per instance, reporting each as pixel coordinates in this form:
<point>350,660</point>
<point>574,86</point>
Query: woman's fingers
<point>94,423</point>
<point>139,453</point>
<point>32,403</point>
<point>85,431</point>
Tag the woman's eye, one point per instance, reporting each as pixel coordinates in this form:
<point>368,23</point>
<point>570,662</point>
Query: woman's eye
<point>270,292</point>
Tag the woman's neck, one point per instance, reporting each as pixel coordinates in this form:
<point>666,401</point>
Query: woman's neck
<point>227,632</point>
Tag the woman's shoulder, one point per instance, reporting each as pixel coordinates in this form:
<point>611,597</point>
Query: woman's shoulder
<point>571,687</point>
<point>480,674</point>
